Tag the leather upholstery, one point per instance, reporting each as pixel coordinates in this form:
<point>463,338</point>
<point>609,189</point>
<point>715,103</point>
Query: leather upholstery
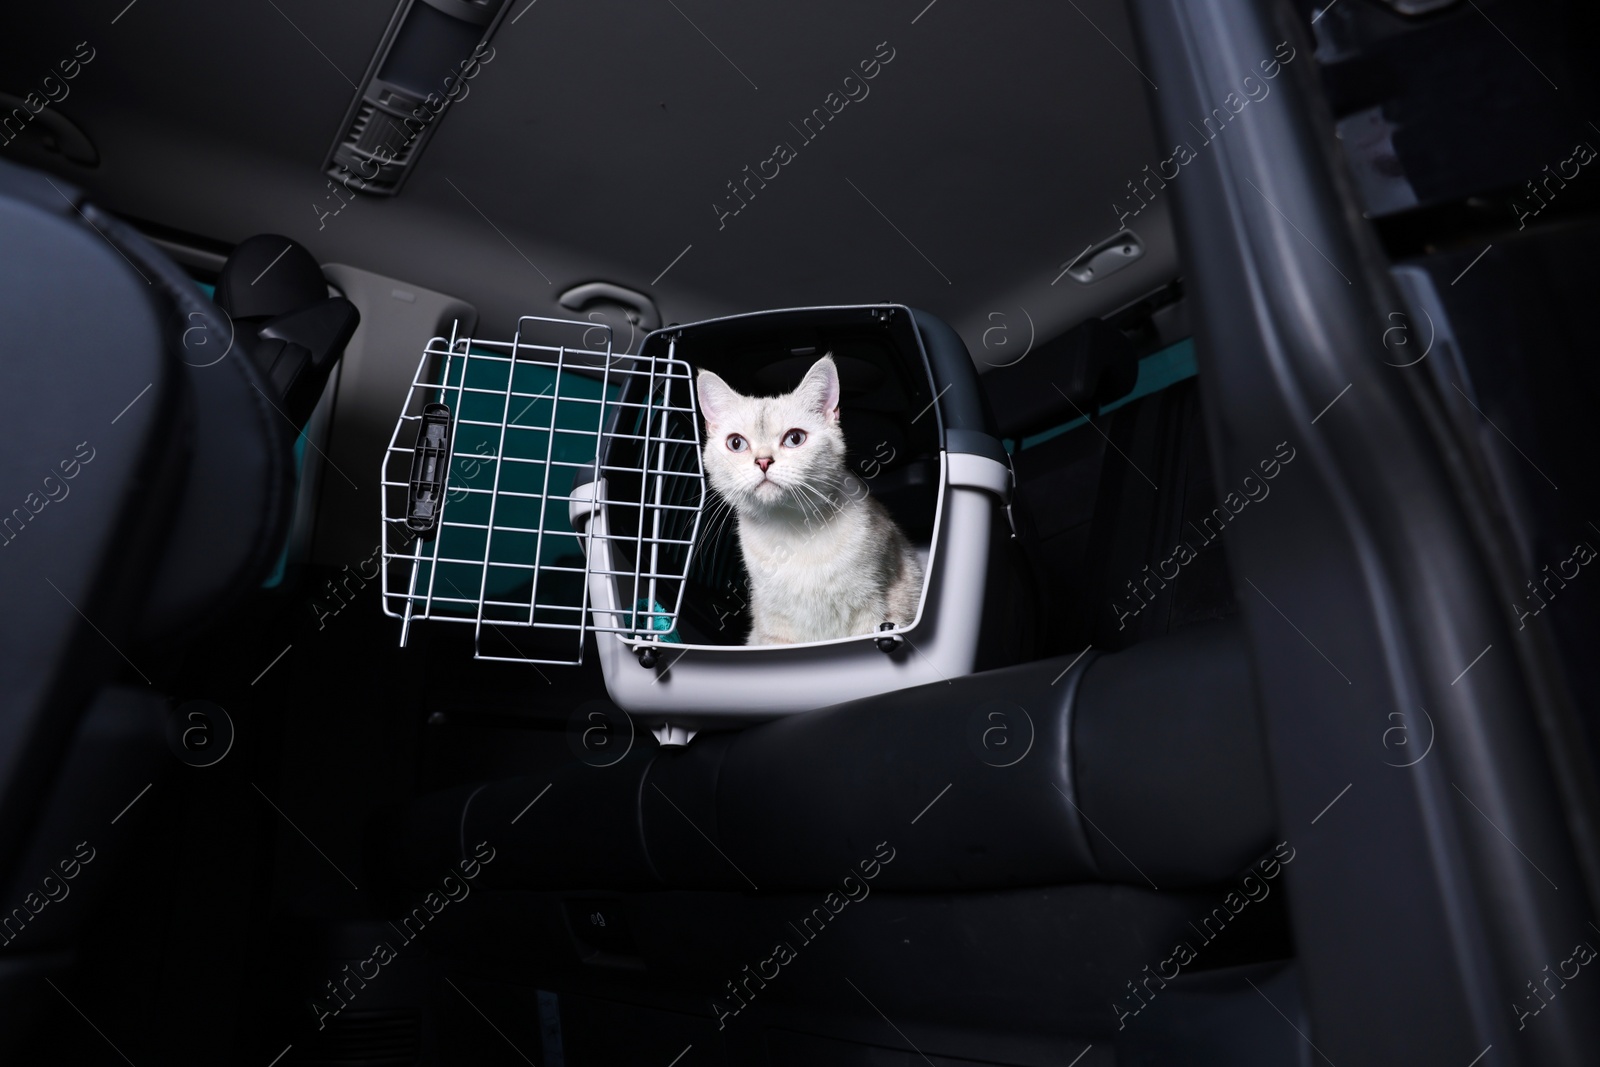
<point>178,493</point>
<point>228,528</point>
<point>91,470</point>
<point>1145,768</point>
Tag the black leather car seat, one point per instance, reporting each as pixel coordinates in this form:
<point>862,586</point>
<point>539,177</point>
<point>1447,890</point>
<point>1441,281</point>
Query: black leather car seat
<point>148,476</point>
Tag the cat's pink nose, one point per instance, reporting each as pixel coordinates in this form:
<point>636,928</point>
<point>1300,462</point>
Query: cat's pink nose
<point>763,462</point>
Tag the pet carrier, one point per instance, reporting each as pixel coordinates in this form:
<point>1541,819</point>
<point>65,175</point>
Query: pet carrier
<point>544,491</point>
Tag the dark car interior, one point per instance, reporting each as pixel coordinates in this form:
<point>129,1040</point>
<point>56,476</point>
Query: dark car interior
<point>1279,744</point>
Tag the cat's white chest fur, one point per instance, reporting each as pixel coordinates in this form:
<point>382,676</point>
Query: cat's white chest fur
<point>816,582</point>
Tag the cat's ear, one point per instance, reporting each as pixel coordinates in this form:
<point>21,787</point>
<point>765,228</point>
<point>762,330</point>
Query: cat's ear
<point>819,389</point>
<point>716,397</point>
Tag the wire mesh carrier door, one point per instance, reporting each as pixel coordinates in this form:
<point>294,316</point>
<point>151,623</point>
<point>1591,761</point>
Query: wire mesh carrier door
<point>519,469</point>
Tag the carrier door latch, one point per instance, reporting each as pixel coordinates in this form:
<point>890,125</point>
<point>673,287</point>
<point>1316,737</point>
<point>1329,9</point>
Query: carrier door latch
<point>430,460</point>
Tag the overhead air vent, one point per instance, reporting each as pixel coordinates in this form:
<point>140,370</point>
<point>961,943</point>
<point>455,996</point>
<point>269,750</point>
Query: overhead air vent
<point>376,1038</point>
<point>425,63</point>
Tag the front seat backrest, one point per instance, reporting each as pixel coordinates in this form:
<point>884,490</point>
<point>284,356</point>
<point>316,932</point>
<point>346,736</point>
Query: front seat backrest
<point>145,481</point>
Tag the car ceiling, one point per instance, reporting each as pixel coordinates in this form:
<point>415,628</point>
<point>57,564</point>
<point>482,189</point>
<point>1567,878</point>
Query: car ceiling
<point>988,153</point>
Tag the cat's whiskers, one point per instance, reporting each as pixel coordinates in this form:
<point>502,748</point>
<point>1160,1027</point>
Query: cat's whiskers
<point>816,512</point>
<point>833,506</point>
<point>708,519</point>
<point>805,507</point>
<point>804,485</point>
<point>715,522</point>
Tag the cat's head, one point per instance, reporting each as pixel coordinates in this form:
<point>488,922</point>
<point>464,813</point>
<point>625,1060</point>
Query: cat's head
<point>766,454</point>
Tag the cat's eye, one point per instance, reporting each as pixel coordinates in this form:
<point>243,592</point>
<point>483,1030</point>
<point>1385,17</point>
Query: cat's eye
<point>737,443</point>
<point>794,438</point>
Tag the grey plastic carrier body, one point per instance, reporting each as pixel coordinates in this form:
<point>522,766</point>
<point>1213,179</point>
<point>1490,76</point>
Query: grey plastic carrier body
<point>546,492</point>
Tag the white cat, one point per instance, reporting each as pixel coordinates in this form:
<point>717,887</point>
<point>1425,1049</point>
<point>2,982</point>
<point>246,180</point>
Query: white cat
<point>825,559</point>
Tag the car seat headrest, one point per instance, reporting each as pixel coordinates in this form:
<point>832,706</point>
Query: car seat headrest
<point>268,275</point>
